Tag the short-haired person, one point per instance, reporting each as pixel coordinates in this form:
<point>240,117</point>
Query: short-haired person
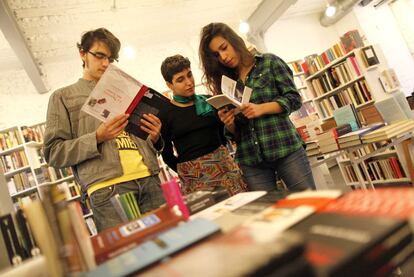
<point>106,160</point>
<point>191,124</point>
<point>268,144</point>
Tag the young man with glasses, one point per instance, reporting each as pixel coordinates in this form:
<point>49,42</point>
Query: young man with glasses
<point>105,159</point>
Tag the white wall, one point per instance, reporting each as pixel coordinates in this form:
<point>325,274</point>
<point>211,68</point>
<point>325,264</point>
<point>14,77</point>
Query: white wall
<point>380,26</point>
<point>297,37</point>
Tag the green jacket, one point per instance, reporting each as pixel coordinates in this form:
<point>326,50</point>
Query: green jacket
<point>70,139</point>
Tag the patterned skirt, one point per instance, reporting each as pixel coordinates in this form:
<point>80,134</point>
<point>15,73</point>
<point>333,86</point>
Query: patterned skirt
<point>213,170</point>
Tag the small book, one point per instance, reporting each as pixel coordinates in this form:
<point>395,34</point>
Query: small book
<point>116,93</point>
<point>234,94</point>
<point>369,56</point>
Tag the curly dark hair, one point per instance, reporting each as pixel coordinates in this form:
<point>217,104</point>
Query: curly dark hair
<point>173,65</point>
<point>103,35</point>
<point>212,68</point>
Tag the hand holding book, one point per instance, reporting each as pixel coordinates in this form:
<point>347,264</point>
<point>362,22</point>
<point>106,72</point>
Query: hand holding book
<point>152,125</point>
<point>112,128</point>
<point>122,102</point>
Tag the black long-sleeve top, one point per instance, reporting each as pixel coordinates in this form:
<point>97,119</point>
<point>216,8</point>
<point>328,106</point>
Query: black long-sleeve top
<point>193,136</point>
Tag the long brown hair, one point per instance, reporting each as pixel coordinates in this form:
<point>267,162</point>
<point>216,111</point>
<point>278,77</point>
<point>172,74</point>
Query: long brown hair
<point>212,68</point>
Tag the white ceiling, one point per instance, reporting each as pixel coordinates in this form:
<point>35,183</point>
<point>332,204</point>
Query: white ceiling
<point>52,27</point>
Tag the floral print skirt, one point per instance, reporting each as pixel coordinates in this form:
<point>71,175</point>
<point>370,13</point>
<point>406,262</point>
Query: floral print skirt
<point>211,171</point>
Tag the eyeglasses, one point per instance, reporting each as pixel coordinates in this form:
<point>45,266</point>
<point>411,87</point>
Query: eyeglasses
<point>102,56</point>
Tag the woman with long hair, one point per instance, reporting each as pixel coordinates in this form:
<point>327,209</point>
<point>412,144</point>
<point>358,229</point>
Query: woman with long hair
<point>268,145</point>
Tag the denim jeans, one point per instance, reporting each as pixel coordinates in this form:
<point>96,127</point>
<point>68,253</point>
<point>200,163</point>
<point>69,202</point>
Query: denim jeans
<point>294,170</point>
<point>148,193</point>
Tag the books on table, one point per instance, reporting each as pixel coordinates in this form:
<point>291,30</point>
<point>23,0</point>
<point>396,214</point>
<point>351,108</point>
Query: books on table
<point>234,94</point>
<point>158,247</point>
<point>116,93</point>
<point>389,131</point>
<point>354,138</point>
<point>363,233</point>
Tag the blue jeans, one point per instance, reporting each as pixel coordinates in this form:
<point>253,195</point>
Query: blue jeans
<point>149,196</point>
<point>294,170</point>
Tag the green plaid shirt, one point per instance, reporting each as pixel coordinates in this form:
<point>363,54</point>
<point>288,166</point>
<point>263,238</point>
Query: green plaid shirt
<point>269,137</point>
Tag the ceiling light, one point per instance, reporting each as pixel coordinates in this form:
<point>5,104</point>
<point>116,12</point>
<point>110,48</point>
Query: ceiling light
<point>330,10</point>
<point>129,52</point>
<point>244,27</point>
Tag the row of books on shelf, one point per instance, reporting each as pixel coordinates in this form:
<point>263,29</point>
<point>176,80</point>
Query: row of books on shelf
<point>336,76</point>
<point>255,233</point>
<point>377,170</point>
<point>369,148</point>
<point>49,174</point>
<point>33,133</point>
<point>21,182</point>
<point>9,139</point>
<point>356,94</point>
<point>314,63</point>
<point>12,137</point>
<point>13,161</point>
<point>343,137</point>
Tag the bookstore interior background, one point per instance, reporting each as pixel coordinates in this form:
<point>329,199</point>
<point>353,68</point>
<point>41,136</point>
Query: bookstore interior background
<point>38,54</point>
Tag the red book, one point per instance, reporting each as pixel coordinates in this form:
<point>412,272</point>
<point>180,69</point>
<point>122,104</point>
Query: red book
<point>355,65</point>
<point>119,239</point>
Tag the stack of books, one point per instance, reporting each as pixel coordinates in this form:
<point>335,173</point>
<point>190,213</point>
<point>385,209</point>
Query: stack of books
<point>126,206</point>
<point>327,142</point>
<point>312,148</point>
<point>390,131</point>
<point>354,138</point>
<point>364,233</point>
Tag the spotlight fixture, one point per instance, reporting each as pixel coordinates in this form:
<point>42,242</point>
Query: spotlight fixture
<point>244,27</point>
<point>330,10</point>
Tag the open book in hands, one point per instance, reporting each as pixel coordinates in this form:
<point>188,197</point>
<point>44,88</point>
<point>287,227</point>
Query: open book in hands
<point>116,93</point>
<point>234,95</point>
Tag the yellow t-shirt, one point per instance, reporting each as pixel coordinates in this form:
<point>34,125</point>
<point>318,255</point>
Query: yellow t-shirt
<point>131,160</point>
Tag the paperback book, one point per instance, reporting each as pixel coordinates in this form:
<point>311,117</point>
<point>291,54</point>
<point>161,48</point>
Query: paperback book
<point>234,94</point>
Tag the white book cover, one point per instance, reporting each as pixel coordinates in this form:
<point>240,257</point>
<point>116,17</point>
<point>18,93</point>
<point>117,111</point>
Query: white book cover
<point>234,94</point>
<point>112,95</point>
<point>228,205</point>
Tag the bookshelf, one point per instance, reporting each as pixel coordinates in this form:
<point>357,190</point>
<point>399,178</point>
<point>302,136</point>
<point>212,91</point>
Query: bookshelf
<point>26,171</point>
<point>375,164</point>
<point>307,112</point>
<point>345,78</point>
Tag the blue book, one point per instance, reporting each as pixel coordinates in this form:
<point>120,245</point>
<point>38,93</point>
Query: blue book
<point>149,252</point>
